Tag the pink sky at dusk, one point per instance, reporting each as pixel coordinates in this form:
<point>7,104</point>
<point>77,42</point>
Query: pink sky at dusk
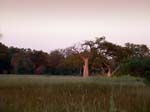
<point>50,24</point>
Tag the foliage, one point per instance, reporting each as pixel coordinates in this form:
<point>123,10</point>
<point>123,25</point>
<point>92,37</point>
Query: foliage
<point>147,75</point>
<point>4,59</point>
<point>99,56</point>
<point>138,50</point>
<point>25,66</point>
<point>136,66</point>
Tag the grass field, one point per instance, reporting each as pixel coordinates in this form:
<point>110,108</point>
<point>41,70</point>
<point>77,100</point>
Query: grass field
<point>26,93</point>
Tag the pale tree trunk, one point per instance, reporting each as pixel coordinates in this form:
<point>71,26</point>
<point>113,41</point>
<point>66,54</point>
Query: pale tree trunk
<point>86,67</point>
<point>109,72</point>
<point>86,64</point>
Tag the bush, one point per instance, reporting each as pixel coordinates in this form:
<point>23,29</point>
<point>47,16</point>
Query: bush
<point>147,75</point>
<point>136,66</point>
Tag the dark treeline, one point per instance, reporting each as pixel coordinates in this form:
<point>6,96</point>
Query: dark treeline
<point>26,61</point>
<point>103,57</point>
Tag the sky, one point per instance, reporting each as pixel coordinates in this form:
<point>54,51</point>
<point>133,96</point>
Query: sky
<point>50,24</point>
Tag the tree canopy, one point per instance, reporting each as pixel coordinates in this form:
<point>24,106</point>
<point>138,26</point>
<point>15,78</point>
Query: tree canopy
<point>91,57</point>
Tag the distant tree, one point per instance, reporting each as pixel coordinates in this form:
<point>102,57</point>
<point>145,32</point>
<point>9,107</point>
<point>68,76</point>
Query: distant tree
<point>84,53</point>
<point>4,59</point>
<point>137,63</point>
<point>136,66</point>
<point>56,57</point>
<point>25,66</point>
<point>71,65</point>
<point>21,62</point>
<point>40,61</point>
<point>101,53</point>
<point>87,51</point>
<point>138,50</point>
<point>111,55</point>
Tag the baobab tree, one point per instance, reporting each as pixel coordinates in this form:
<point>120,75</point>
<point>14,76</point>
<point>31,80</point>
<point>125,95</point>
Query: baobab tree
<point>84,53</point>
<point>87,51</point>
<point>101,52</point>
<point>113,55</point>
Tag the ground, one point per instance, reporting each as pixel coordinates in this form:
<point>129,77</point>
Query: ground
<point>26,93</point>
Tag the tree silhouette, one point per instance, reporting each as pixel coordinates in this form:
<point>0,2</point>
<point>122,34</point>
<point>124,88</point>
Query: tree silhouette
<point>84,53</point>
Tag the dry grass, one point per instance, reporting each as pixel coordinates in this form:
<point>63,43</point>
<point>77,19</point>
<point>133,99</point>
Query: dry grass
<point>73,94</point>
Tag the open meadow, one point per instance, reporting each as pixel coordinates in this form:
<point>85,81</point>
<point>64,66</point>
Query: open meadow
<point>74,55</point>
<point>35,93</point>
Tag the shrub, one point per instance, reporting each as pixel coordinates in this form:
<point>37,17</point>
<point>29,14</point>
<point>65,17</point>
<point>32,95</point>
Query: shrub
<point>136,66</point>
<point>147,75</point>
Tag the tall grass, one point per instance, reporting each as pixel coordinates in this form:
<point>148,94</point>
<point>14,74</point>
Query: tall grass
<point>73,94</point>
